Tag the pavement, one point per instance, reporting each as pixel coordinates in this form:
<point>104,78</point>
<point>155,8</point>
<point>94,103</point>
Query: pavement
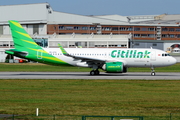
<point>85,75</point>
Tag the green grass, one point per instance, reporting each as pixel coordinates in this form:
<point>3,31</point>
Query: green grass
<point>90,97</point>
<point>36,67</point>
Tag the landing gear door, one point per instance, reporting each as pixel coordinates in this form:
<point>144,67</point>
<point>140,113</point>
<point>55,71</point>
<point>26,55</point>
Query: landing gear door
<point>39,54</point>
<point>153,55</point>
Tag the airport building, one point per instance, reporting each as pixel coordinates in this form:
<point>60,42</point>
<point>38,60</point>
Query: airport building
<point>48,28</point>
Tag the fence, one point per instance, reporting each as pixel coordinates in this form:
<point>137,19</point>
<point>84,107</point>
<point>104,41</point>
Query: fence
<point>42,117</point>
<point>171,116</point>
<point>112,118</point>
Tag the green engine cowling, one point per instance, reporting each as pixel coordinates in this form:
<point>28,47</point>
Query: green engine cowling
<point>114,67</point>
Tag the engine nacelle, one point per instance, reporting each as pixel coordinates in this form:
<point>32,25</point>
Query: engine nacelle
<point>114,67</point>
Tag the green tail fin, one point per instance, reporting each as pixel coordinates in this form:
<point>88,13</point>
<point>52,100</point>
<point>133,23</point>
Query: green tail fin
<point>25,47</point>
<point>20,36</point>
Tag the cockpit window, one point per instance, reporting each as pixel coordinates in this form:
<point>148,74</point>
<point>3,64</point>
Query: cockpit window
<point>165,54</point>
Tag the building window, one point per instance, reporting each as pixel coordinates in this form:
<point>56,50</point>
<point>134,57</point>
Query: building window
<point>137,44</point>
<point>151,29</point>
<point>143,35</point>
<point>76,28</point>
<point>69,28</point>
<point>107,28</point>
<point>136,35</point>
<point>123,45</point>
<point>5,45</point>
<point>165,35</point>
<point>178,29</point>
<point>129,29</point>
<point>115,28</point>
<point>84,28</point>
<point>61,27</point>
<point>151,35</point>
<point>154,44</point>
<point>1,30</point>
<point>171,36</point>
<point>122,29</point>
<point>164,29</point>
<point>136,29</point>
<point>178,36</point>
<point>35,29</point>
<point>92,28</point>
<point>144,29</point>
<point>171,29</point>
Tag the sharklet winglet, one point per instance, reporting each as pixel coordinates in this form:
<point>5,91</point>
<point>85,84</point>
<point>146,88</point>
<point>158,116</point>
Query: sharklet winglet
<point>63,50</point>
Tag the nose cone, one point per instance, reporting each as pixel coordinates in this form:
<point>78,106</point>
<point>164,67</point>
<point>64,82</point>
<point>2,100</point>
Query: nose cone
<point>173,61</point>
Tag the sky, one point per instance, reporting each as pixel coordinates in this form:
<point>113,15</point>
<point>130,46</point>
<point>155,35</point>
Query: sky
<point>107,7</point>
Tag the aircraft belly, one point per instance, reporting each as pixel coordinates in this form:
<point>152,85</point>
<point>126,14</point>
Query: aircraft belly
<point>71,61</point>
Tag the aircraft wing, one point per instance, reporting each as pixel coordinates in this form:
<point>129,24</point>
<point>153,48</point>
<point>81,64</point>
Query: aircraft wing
<point>86,59</point>
<point>83,59</point>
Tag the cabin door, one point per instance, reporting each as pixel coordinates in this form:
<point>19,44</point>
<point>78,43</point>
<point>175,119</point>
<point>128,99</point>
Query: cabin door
<point>153,55</point>
<point>39,54</point>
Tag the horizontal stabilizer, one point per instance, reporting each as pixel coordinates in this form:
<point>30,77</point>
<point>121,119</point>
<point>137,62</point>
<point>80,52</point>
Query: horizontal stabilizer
<point>16,52</point>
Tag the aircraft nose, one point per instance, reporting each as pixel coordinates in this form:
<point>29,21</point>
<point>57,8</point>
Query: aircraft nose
<point>173,61</point>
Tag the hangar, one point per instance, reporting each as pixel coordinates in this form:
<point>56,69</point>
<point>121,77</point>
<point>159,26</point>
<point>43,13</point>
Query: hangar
<point>48,28</point>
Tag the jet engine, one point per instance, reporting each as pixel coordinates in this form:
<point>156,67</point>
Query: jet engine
<point>114,67</point>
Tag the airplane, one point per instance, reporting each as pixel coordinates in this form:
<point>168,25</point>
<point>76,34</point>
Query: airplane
<point>111,60</point>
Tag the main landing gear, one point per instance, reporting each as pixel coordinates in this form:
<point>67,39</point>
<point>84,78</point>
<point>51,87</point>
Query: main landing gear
<point>153,71</point>
<point>94,72</point>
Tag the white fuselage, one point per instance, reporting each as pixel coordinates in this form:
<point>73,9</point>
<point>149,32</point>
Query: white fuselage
<point>130,57</point>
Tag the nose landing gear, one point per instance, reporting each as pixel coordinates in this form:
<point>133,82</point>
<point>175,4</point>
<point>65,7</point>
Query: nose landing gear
<point>153,71</point>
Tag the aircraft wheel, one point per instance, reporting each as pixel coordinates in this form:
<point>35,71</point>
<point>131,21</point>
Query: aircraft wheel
<point>92,72</point>
<point>153,73</point>
<point>97,72</point>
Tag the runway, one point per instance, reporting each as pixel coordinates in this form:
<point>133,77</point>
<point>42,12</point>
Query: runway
<point>85,75</point>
